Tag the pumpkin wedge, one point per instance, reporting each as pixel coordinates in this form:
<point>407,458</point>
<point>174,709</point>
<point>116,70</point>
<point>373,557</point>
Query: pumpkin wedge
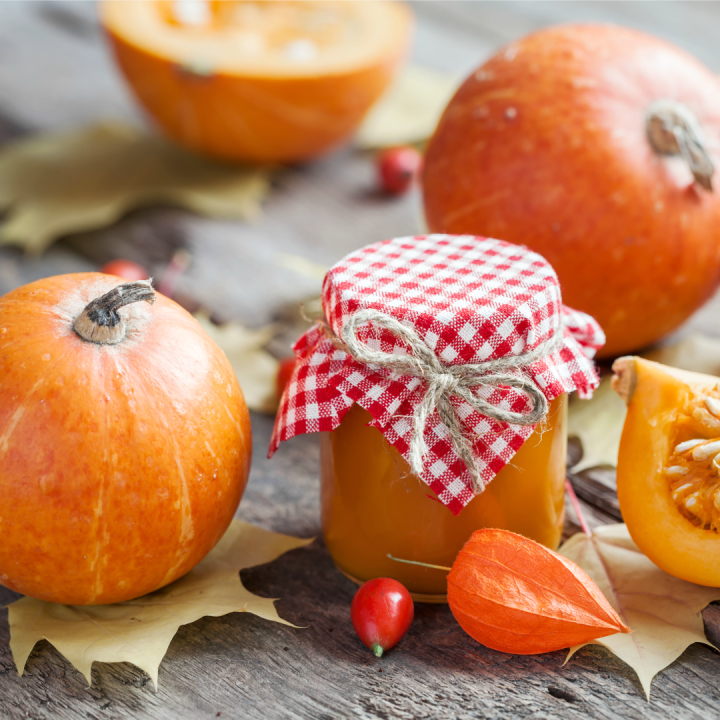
<point>668,467</point>
<point>258,81</point>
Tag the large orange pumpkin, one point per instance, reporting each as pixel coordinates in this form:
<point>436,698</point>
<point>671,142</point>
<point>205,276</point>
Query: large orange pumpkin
<point>124,440</point>
<point>565,142</point>
<point>258,81</point>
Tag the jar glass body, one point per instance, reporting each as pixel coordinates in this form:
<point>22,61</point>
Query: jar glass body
<point>372,505</point>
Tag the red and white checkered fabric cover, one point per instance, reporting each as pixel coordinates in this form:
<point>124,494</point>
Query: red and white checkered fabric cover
<point>470,299</point>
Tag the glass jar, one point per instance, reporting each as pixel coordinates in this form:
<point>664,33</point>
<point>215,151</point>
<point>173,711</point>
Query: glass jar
<point>373,506</point>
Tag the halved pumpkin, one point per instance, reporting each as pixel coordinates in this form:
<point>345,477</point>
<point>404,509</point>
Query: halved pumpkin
<point>260,81</point>
<point>667,473</point>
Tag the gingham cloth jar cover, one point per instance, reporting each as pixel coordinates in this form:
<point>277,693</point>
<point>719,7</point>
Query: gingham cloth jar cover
<point>470,300</point>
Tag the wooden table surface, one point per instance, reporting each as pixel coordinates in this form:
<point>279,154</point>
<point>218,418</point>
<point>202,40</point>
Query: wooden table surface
<point>55,73</point>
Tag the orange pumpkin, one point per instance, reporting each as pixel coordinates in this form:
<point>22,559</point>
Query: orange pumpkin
<point>567,141</point>
<point>248,81</point>
<point>124,440</point>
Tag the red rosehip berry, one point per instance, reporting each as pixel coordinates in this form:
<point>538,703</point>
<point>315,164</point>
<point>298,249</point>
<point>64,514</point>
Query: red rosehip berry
<point>398,168</point>
<point>125,269</point>
<point>382,611</point>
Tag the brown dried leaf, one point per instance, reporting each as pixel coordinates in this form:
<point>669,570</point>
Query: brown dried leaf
<point>54,185</point>
<point>409,111</point>
<point>140,631</point>
<point>662,611</point>
<point>255,368</point>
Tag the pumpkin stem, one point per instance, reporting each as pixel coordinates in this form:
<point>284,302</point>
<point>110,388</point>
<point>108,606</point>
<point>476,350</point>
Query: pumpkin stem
<point>673,129</point>
<point>625,377</point>
<point>101,323</point>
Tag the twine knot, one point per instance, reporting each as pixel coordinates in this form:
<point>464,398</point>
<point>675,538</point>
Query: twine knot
<point>447,381</point>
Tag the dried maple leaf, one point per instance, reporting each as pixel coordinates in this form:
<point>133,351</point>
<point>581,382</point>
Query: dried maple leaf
<point>598,422</point>
<point>696,353</point>
<point>140,631</point>
<point>53,185</point>
<point>662,611</point>
<point>409,111</point>
<point>255,368</point>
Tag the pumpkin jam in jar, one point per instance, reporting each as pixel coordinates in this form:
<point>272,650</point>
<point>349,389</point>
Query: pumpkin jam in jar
<point>438,377</point>
<point>372,505</point>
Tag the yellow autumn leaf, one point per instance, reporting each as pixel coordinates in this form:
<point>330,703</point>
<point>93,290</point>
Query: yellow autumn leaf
<point>255,368</point>
<point>598,422</point>
<point>409,111</point>
<point>301,266</point>
<point>53,185</point>
<point>697,353</point>
<point>662,611</point>
<point>140,631</point>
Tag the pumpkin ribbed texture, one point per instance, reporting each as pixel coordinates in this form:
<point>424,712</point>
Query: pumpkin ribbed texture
<point>122,465</point>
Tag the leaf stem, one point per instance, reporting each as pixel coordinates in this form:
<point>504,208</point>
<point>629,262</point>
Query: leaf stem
<point>421,564</point>
<point>576,505</point>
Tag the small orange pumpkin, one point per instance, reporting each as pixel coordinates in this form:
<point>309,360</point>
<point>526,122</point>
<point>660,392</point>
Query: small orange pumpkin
<point>124,440</point>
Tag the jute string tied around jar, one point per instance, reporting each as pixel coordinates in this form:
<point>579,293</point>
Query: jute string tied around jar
<point>444,381</point>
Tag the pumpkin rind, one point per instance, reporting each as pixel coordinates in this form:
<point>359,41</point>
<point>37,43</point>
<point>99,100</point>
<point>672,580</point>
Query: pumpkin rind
<point>121,466</point>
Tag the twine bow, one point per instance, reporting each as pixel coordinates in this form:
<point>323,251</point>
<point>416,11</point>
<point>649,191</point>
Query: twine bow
<point>444,381</point>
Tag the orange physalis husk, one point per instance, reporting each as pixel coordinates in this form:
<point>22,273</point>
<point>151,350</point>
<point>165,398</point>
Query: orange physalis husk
<point>515,595</point>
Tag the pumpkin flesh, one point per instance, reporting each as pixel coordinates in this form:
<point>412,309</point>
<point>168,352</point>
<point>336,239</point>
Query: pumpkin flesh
<point>667,484</point>
<point>122,465</point>
<point>260,82</point>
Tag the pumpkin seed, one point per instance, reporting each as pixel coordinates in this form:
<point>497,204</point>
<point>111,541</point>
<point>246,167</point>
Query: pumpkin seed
<point>708,449</point>
<point>713,405</point>
<point>687,445</point>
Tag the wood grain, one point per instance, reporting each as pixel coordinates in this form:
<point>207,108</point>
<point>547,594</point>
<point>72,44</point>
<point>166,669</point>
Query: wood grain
<point>55,74</point>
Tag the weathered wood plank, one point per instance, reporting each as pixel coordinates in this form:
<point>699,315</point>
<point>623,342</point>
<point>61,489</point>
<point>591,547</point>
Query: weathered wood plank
<point>597,487</point>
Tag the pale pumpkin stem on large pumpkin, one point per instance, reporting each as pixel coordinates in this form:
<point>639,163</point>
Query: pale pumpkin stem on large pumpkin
<point>101,323</point>
<point>673,129</point>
